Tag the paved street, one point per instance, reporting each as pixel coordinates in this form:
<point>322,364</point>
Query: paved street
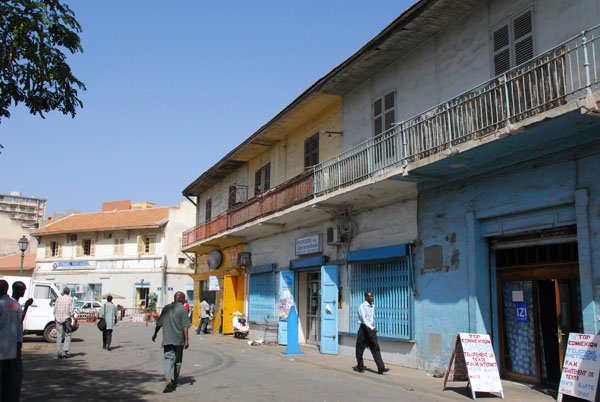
<point>217,368</point>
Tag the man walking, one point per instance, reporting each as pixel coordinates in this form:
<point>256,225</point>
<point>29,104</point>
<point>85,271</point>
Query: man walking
<point>109,313</point>
<point>204,316</point>
<point>10,321</point>
<point>367,335</point>
<point>175,323</point>
<point>64,309</point>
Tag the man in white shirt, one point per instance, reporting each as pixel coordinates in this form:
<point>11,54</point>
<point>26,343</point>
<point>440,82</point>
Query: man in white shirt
<point>367,335</point>
<point>64,310</point>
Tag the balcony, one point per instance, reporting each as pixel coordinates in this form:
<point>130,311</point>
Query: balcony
<point>292,192</point>
<point>561,75</point>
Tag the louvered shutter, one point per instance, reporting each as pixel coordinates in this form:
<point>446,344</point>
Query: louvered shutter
<point>140,243</point>
<point>48,251</point>
<point>523,37</point>
<point>267,181</point>
<point>501,40</point>
<point>378,117</point>
<point>60,248</point>
<point>390,115</point>
<point>92,247</point>
<point>116,250</point>
<point>152,244</point>
<point>79,249</point>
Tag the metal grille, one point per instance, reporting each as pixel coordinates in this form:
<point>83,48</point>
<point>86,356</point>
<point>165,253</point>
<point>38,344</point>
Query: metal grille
<point>262,296</point>
<point>390,281</point>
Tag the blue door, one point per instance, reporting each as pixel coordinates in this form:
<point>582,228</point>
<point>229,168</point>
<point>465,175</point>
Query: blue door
<point>286,301</point>
<point>329,309</point>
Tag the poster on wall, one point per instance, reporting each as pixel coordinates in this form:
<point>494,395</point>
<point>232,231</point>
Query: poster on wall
<point>286,299</point>
<point>579,376</point>
<point>213,283</point>
<point>473,360</point>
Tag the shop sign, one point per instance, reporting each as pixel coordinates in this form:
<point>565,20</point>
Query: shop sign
<point>74,264</point>
<point>213,283</point>
<point>579,376</point>
<point>309,245</point>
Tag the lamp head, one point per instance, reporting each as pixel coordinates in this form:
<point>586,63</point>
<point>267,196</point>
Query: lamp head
<point>23,244</point>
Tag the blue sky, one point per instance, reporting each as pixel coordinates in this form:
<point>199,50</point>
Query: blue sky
<point>171,88</point>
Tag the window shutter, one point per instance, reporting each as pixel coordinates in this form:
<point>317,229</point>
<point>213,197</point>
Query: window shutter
<point>501,41</point>
<point>377,117</point>
<point>79,249</point>
<point>267,176</point>
<point>48,252</point>
<point>92,247</point>
<point>140,244</point>
<point>152,244</point>
<point>523,34</point>
<point>60,247</point>
<point>116,250</point>
<point>122,247</point>
<point>257,187</point>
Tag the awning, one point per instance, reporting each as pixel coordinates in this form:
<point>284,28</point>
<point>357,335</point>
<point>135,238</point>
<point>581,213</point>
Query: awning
<point>379,253</point>
<point>261,269</point>
<point>308,262</point>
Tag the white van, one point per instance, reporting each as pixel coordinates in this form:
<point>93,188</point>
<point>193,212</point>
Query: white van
<point>40,315</point>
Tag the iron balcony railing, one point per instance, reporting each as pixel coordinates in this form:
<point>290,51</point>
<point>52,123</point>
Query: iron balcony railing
<point>294,191</point>
<point>566,72</point>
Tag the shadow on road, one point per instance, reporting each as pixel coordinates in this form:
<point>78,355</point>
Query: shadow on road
<point>48,378</point>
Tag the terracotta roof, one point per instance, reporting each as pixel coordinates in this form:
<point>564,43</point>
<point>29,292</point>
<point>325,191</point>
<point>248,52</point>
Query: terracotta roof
<point>13,261</point>
<point>134,218</point>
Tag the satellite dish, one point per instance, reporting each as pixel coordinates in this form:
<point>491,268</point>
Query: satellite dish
<point>214,259</point>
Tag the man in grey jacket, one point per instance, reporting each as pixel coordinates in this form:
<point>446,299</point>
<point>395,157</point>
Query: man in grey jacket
<point>109,313</point>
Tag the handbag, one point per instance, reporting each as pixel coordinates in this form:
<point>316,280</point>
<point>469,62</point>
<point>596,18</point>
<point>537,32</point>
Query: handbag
<point>102,322</point>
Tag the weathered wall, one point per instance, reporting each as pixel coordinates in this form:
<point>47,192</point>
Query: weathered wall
<point>452,260</point>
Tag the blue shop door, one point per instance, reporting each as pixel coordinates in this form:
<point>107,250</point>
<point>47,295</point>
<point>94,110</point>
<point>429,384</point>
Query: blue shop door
<point>286,301</point>
<point>329,309</point>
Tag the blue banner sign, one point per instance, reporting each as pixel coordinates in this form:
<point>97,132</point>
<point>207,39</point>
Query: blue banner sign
<point>73,264</point>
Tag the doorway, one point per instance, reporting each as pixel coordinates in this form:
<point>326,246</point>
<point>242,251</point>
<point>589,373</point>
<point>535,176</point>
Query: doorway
<point>313,308</point>
<point>538,306</point>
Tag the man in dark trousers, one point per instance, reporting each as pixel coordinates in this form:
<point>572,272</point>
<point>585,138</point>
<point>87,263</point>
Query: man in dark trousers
<point>18,291</point>
<point>10,324</point>
<point>367,335</point>
<point>175,323</point>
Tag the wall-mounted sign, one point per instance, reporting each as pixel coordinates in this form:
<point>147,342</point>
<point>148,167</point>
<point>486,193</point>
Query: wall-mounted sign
<point>215,258</point>
<point>74,264</point>
<point>521,311</point>
<point>309,245</point>
<point>581,367</point>
<point>213,283</point>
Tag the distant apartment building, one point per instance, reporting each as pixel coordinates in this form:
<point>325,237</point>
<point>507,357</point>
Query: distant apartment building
<point>28,211</point>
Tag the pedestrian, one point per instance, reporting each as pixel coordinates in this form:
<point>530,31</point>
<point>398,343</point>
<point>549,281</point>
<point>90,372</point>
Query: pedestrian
<point>18,291</point>
<point>204,317</point>
<point>64,311</point>
<point>10,322</point>
<point>367,335</point>
<point>109,313</point>
<point>175,323</point>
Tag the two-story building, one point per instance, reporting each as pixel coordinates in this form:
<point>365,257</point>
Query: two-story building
<point>451,172</point>
<point>130,253</point>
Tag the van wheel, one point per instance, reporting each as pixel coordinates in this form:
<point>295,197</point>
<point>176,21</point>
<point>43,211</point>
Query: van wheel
<point>50,333</point>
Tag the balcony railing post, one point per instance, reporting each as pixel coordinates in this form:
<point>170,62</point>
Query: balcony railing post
<point>507,98</point>
<point>404,145</point>
<point>339,169</point>
<point>586,64</point>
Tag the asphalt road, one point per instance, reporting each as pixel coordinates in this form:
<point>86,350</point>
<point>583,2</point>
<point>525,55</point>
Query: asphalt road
<point>215,368</point>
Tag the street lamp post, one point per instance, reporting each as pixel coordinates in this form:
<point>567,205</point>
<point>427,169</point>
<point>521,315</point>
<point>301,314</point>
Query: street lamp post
<point>23,243</point>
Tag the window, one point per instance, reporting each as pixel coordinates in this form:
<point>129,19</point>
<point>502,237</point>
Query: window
<point>512,42</point>
<point>54,249</point>
<point>86,247</point>
<point>43,292</point>
<point>311,151</point>
<point>119,247</point>
<point>262,179</point>
<point>146,244</point>
<point>390,282</point>
<point>208,210</point>
<point>181,260</point>
<point>384,114</point>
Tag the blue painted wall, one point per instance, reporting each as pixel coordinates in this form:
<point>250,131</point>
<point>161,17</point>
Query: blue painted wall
<point>456,295</point>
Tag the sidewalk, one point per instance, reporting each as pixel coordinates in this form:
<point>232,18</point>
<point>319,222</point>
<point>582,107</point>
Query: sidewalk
<point>411,380</point>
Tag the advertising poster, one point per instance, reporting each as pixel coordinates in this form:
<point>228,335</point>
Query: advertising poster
<point>286,298</point>
<point>579,376</point>
<point>213,283</point>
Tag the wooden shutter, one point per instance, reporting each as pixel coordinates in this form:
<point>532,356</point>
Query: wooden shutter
<point>523,37</point>
<point>141,244</point>
<point>116,249</point>
<point>60,249</point>
<point>267,180</point>
<point>152,245</point>
<point>501,41</point>
<point>208,210</point>
<point>79,249</point>
<point>48,250</point>
<point>378,117</point>
<point>390,114</point>
<point>92,247</point>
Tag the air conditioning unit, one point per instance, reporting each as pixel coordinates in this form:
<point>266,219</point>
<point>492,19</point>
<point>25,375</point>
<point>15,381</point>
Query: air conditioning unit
<point>244,259</point>
<point>334,235</point>
<point>73,237</point>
